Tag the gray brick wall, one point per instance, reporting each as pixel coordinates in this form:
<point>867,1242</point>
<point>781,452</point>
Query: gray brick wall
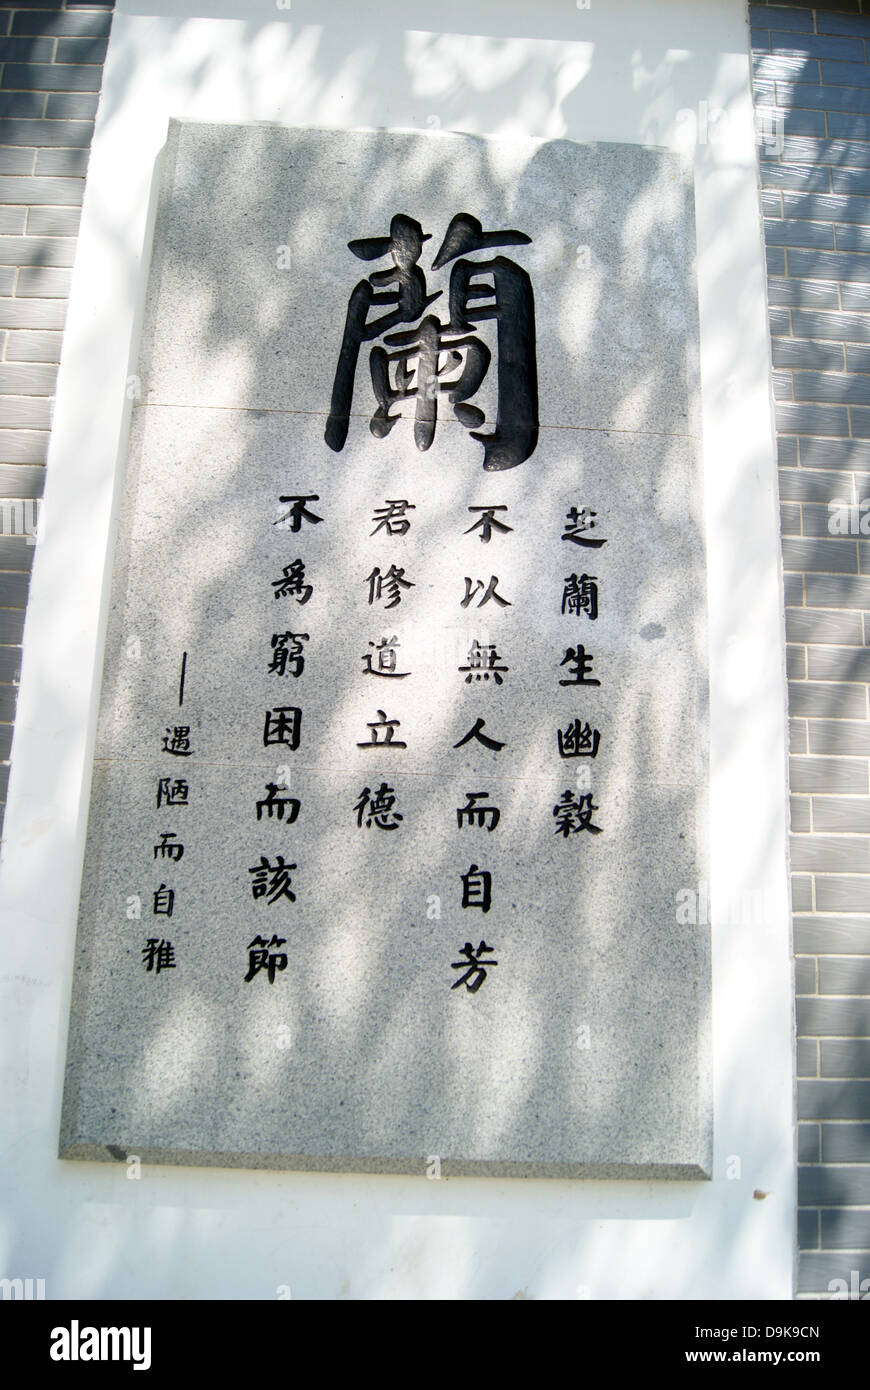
<point>51,57</point>
<point>812,81</point>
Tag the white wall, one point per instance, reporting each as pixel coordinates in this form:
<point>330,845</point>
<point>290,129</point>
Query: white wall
<point>617,70</point>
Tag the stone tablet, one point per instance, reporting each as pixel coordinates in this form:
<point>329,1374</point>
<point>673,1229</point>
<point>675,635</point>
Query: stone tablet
<point>401,765</point>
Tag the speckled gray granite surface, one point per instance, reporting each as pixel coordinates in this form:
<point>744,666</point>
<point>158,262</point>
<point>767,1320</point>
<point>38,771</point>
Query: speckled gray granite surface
<point>315,933</point>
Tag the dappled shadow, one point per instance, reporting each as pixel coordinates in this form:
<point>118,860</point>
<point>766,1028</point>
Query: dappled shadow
<point>228,366</point>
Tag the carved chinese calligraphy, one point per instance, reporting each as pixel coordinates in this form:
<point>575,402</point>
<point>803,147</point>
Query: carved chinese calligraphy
<point>398,792</point>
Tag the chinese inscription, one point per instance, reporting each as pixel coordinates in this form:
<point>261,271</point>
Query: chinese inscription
<point>442,356</point>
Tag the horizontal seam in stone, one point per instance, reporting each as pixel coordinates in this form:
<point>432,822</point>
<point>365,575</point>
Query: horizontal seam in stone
<point>323,414</point>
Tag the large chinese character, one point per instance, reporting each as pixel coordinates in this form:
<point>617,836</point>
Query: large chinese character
<point>433,357</point>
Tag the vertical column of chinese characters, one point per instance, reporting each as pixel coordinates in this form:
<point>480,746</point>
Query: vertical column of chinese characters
<point>173,793</point>
<point>387,585</point>
<point>484,669</point>
<point>271,878</point>
<point>434,358</point>
<point>578,739</point>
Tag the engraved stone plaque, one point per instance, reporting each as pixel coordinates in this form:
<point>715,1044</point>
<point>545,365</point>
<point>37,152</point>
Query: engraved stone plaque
<point>402,752</point>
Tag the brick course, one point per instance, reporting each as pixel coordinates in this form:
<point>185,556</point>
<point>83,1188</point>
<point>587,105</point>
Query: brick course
<point>812,85</point>
<point>51,56</point>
